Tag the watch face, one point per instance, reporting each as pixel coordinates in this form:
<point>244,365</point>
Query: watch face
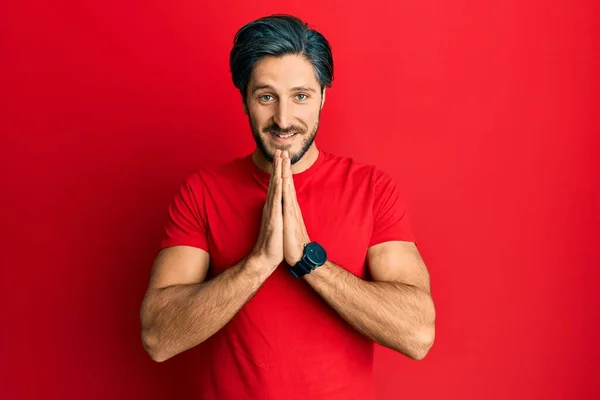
<point>315,253</point>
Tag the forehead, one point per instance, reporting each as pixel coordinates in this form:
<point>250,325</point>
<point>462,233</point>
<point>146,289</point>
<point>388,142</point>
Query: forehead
<point>283,72</point>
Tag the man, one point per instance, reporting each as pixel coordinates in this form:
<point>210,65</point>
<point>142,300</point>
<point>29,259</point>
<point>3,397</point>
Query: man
<point>284,266</point>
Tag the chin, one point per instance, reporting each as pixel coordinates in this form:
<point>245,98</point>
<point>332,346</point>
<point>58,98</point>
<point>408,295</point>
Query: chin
<point>297,149</point>
<point>295,156</point>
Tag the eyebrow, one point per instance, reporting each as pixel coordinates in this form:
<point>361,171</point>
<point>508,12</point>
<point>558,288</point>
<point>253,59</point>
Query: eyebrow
<point>294,89</point>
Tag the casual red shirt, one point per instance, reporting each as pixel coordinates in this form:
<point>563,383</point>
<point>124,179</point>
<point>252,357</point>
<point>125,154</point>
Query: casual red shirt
<point>286,342</point>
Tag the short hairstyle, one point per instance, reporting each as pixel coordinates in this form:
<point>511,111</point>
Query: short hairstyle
<point>278,35</point>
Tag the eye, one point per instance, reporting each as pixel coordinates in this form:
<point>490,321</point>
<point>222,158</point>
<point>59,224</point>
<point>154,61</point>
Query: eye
<point>301,96</point>
<point>265,97</point>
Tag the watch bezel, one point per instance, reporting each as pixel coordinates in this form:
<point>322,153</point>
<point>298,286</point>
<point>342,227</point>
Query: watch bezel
<point>315,253</point>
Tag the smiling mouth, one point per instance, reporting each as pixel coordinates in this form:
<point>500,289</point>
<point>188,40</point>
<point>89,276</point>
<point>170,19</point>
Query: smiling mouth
<point>283,135</point>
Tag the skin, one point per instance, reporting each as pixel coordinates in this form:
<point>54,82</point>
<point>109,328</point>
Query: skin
<point>284,95</point>
<point>181,309</point>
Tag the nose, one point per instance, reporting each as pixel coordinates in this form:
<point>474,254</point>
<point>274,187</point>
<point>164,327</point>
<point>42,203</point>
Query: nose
<point>282,115</point>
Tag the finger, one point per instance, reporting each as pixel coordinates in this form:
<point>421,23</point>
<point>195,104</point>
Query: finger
<point>276,159</point>
<point>287,178</point>
<point>289,185</point>
<point>277,154</point>
<point>287,168</point>
<point>292,187</point>
<point>278,186</point>
<point>287,203</point>
<point>294,204</point>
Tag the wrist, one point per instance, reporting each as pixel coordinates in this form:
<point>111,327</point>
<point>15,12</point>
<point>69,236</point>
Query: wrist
<point>313,256</point>
<point>257,266</point>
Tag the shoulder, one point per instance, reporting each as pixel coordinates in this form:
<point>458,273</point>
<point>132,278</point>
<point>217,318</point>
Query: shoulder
<point>355,169</point>
<point>216,173</point>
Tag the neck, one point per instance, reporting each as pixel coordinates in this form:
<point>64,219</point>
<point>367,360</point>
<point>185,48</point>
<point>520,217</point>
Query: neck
<point>307,160</point>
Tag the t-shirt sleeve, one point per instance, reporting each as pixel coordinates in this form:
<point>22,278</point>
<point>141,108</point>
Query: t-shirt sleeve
<point>186,220</point>
<point>390,216</point>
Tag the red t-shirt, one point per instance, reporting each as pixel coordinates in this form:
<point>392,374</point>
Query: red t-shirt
<point>286,342</point>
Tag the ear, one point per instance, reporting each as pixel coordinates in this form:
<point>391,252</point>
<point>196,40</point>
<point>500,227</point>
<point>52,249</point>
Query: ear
<point>323,97</point>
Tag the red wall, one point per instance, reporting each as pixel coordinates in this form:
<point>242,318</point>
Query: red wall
<point>485,112</point>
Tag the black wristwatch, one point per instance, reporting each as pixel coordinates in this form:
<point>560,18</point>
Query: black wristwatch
<point>313,256</point>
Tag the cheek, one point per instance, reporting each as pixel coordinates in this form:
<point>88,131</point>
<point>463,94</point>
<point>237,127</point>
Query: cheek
<point>309,115</point>
<point>260,119</point>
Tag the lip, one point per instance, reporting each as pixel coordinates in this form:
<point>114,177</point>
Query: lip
<point>283,140</point>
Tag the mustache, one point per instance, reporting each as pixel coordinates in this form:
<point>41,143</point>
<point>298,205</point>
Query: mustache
<point>277,129</point>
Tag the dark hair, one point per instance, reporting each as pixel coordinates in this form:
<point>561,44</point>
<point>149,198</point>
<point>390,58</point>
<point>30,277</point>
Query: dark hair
<point>278,35</point>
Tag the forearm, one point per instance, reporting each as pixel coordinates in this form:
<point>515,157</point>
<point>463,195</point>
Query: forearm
<point>177,318</point>
<point>394,315</point>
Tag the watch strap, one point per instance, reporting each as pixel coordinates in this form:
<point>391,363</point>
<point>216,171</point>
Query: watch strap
<point>301,268</point>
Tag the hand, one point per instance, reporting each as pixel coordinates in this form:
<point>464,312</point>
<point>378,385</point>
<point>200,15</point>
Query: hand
<point>295,236</point>
<point>269,246</point>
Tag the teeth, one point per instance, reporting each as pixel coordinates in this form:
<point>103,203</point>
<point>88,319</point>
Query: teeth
<point>285,136</point>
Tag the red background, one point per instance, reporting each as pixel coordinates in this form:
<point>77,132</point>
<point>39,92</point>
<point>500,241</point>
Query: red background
<point>485,113</point>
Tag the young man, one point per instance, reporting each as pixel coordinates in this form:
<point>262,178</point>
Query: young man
<point>287,264</point>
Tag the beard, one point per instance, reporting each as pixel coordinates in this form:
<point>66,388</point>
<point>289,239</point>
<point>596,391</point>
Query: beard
<point>269,153</point>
